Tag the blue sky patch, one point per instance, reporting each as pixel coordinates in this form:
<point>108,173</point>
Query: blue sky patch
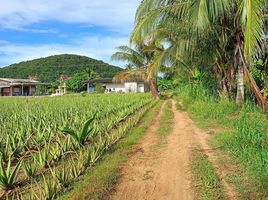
<point>37,28</point>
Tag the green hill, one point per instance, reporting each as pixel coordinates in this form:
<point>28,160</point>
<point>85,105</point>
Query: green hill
<point>50,68</point>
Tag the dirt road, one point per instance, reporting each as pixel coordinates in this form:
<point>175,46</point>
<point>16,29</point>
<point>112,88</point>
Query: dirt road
<point>159,169</point>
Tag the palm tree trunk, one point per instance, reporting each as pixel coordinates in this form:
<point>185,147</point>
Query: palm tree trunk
<point>240,86</point>
<point>252,83</point>
<point>256,90</point>
<point>239,36</point>
<point>243,69</point>
<point>153,87</point>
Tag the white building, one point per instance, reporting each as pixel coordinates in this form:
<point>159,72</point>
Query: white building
<point>127,86</point>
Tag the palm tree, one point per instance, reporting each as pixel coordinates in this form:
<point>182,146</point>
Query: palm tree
<point>91,74</point>
<point>201,19</point>
<point>140,61</point>
<point>128,67</point>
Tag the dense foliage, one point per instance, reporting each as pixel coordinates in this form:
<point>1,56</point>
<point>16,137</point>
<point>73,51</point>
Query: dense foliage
<point>185,36</point>
<point>50,69</point>
<point>166,84</point>
<point>77,82</point>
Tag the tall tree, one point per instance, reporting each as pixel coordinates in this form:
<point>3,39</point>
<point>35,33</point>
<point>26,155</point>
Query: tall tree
<point>91,74</point>
<point>201,18</point>
<point>140,61</point>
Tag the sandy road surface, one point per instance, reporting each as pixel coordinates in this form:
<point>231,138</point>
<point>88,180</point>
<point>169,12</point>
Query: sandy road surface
<point>160,170</point>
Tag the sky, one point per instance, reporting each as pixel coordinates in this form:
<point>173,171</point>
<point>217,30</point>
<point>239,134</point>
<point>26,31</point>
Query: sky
<point>32,29</point>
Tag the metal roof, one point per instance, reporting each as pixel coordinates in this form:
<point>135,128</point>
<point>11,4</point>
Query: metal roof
<point>113,80</point>
<point>4,86</point>
<point>101,80</point>
<point>10,80</point>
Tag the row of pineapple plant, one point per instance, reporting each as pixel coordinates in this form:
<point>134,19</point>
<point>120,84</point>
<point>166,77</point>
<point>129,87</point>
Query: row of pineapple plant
<point>31,137</point>
<point>42,160</point>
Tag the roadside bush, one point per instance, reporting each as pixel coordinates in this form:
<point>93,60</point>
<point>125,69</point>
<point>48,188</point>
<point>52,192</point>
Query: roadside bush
<point>248,139</point>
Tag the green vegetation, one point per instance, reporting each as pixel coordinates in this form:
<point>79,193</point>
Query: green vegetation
<point>77,83</point>
<point>166,83</point>
<point>207,50</point>
<point>8,178</point>
<point>59,139</point>
<point>139,64</point>
<point>81,137</point>
<point>167,116</point>
<point>50,69</point>
<point>245,138</point>
<point>99,181</point>
<point>205,181</point>
<point>197,39</point>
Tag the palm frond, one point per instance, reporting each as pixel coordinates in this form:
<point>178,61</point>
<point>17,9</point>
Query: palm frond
<point>152,19</point>
<point>250,17</point>
<point>130,75</point>
<point>132,56</point>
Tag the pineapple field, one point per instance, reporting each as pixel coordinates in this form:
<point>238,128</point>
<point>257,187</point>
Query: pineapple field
<point>46,143</point>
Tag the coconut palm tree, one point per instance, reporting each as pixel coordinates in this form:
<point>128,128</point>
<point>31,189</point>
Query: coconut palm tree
<point>198,19</point>
<point>140,61</point>
<point>91,74</point>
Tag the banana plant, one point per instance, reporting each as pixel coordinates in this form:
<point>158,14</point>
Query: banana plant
<point>82,136</point>
<point>8,178</point>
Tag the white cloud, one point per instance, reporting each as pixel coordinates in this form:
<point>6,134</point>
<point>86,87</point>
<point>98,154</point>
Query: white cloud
<point>113,14</point>
<point>97,47</point>
<point>22,15</point>
<point>34,30</point>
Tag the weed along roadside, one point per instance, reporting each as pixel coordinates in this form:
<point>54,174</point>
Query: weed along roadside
<point>167,116</point>
<point>238,138</point>
<point>206,182</point>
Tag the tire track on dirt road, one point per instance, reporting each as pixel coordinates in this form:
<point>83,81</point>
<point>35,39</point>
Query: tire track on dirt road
<point>163,172</point>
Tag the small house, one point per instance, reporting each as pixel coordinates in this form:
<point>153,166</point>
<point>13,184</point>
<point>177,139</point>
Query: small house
<point>18,87</point>
<point>110,85</point>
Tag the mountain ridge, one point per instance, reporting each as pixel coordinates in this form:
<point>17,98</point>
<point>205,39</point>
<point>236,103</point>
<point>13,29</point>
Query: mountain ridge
<point>50,68</point>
